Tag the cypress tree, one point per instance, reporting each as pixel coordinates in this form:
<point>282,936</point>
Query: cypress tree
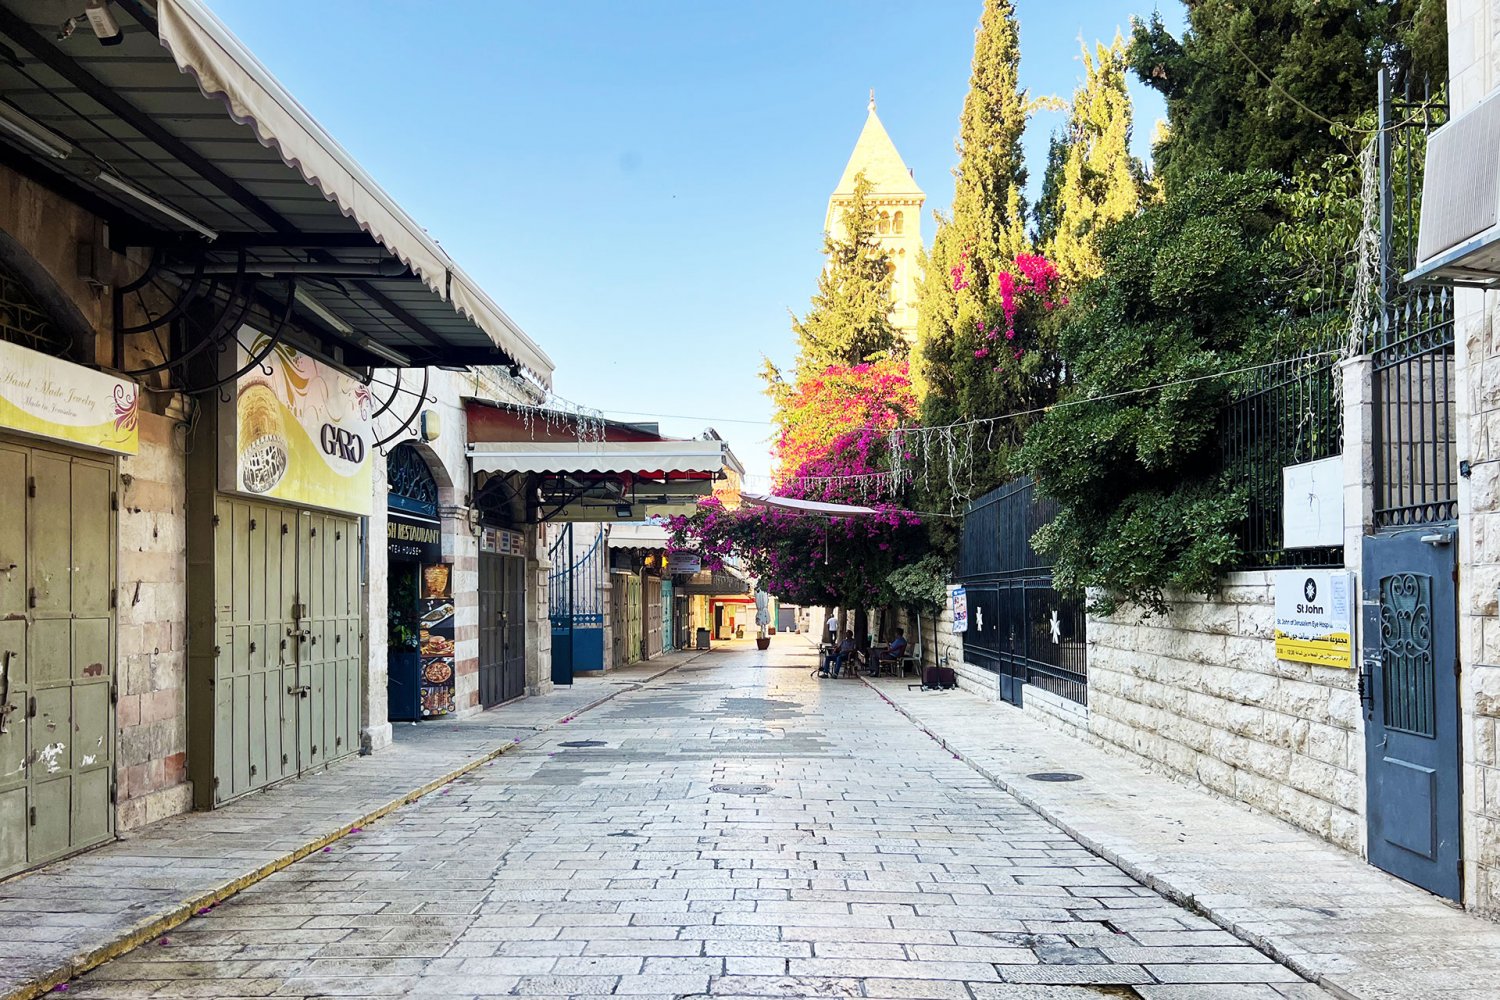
<point>1100,181</point>
<point>988,225</point>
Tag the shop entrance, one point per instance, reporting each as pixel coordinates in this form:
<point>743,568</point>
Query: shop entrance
<point>286,678</point>
<point>502,628</point>
<point>57,599</point>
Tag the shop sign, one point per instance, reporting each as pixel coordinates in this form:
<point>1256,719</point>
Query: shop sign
<point>684,562</point>
<point>438,656</point>
<point>500,541</point>
<point>296,430</point>
<point>958,603</point>
<point>409,537</point>
<point>56,399</point>
<point>1314,617</point>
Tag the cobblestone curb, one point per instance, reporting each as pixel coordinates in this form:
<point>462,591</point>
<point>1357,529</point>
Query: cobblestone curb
<point>1132,868</point>
<point>156,926</point>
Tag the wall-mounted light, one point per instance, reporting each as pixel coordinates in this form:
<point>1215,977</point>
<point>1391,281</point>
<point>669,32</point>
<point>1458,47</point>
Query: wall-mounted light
<point>106,28</point>
<point>431,425</point>
<point>624,511</point>
<point>323,313</point>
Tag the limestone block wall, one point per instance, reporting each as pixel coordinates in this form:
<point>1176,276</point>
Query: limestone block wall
<point>151,655</point>
<point>1200,692</point>
<point>1474,71</point>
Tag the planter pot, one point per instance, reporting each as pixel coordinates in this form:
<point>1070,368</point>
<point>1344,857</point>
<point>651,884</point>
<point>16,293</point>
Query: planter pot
<point>763,642</point>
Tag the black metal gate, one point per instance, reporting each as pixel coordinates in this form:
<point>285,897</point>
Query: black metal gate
<point>1020,628</point>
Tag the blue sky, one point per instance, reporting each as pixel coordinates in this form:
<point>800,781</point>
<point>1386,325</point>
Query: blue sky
<point>642,185</point>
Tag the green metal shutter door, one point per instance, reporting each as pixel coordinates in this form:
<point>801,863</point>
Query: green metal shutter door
<point>15,688</point>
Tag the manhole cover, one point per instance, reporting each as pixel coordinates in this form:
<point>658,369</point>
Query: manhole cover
<point>1055,776</point>
<point>741,789</point>
<point>582,743</point>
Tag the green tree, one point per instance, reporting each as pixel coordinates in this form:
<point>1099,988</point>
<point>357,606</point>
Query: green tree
<point>1101,181</point>
<point>960,287</point>
<point>850,318</point>
<point>1186,293</point>
<point>1255,85</point>
<point>1047,210</point>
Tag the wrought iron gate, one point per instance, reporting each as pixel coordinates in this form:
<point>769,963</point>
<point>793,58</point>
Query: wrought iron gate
<point>575,606</point>
<point>1019,627</point>
<point>1409,659</point>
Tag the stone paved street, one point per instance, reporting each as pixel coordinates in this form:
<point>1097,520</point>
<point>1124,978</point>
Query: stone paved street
<point>643,860</point>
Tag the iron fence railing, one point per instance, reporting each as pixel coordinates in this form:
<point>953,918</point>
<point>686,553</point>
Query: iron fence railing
<point>1288,413</point>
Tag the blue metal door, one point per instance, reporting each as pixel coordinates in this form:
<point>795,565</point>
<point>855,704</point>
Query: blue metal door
<point>1409,685</point>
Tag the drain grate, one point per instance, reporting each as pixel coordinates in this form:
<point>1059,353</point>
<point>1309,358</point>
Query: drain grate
<point>582,743</point>
<point>1055,776</point>
<point>741,789</point>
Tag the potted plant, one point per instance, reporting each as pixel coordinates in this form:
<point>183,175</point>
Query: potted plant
<point>762,640</point>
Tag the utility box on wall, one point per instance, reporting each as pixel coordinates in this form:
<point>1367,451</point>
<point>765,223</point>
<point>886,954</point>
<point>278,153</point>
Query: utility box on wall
<point>1313,504</point>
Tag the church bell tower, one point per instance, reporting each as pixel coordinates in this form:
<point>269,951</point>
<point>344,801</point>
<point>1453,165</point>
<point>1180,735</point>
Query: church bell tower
<point>897,201</point>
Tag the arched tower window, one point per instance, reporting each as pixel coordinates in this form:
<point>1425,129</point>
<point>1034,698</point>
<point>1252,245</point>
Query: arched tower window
<point>898,224</point>
<point>885,224</point>
<point>410,482</point>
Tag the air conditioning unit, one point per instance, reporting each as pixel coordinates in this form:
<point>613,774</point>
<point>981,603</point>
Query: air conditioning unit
<point>1459,239</point>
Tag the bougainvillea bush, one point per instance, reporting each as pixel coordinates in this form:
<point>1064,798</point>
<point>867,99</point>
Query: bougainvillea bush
<point>818,415</point>
<point>805,559</point>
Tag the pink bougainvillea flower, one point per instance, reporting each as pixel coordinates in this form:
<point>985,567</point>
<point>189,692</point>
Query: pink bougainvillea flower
<point>983,352</point>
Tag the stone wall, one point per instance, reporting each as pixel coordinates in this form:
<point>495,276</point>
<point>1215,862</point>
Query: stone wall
<point>1473,54</point>
<point>151,644</point>
<point>1200,692</point>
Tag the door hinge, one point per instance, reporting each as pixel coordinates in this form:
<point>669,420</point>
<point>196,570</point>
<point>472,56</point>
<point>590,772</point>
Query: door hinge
<point>217,650</point>
<point>252,524</point>
<point>31,486</point>
<point>216,782</point>
<point>114,693</point>
<point>114,794</point>
<point>33,815</point>
<point>216,520</point>
<point>283,760</point>
<point>114,597</point>
<point>31,597</point>
<point>31,707</point>
<point>114,500</point>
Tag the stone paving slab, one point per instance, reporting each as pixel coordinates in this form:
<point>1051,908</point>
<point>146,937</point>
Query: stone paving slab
<point>67,917</point>
<point>1320,911</point>
<point>731,830</point>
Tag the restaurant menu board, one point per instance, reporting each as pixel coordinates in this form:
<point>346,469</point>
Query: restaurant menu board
<point>437,664</point>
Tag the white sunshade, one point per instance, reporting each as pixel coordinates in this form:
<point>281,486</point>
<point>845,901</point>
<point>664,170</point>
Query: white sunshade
<point>805,506</point>
<point>638,536</point>
<point>647,458</point>
<point>205,49</point>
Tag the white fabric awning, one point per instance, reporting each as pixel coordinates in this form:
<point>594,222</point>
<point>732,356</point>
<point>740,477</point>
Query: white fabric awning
<point>205,49</point>
<point>805,506</point>
<point>638,536</point>
<point>643,458</point>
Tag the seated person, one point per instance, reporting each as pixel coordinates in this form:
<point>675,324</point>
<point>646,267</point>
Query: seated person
<point>897,648</point>
<point>841,654</point>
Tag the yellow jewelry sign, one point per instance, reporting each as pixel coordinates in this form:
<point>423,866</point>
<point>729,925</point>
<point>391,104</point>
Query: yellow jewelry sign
<point>56,399</point>
<point>1313,617</point>
<point>299,430</point>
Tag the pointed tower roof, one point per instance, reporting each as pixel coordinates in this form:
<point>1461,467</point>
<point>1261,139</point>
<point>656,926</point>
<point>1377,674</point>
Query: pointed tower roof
<point>876,155</point>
